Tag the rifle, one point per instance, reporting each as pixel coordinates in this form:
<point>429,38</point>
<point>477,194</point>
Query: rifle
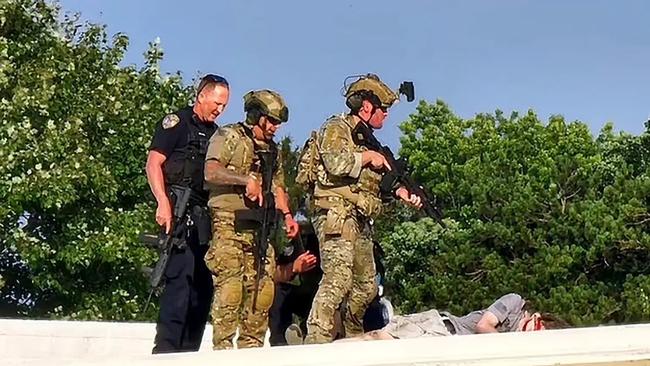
<point>363,135</point>
<point>263,219</point>
<point>166,242</point>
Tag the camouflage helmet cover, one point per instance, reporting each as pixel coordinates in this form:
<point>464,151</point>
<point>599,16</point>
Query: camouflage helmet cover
<point>268,102</point>
<point>372,83</point>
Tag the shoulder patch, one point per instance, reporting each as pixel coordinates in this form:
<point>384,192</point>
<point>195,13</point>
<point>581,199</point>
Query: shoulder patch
<point>170,121</point>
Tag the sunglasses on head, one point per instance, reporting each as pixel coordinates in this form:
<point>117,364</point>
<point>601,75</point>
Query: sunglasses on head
<point>212,78</point>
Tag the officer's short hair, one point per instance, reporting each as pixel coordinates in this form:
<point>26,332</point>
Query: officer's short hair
<point>211,81</point>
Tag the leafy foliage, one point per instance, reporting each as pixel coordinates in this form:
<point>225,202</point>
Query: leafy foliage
<point>290,154</point>
<point>74,131</point>
<point>545,210</point>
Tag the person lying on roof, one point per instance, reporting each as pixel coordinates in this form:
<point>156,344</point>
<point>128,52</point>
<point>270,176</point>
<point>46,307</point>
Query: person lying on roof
<point>510,313</point>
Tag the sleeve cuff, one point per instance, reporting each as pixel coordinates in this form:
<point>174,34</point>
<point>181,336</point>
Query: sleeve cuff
<point>505,305</point>
<point>356,168</point>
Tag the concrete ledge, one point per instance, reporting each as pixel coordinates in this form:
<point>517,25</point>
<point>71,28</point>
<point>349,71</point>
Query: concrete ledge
<point>79,339</point>
<point>24,342</point>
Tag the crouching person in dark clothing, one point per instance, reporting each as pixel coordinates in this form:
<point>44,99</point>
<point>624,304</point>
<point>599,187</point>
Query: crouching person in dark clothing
<point>296,285</point>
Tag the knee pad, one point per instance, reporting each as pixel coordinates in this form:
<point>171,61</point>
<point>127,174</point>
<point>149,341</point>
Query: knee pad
<point>265,295</point>
<point>224,258</point>
<point>230,294</point>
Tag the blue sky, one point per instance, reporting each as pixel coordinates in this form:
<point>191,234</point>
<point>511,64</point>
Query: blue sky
<point>588,60</point>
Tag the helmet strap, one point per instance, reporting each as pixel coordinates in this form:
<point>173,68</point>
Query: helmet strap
<point>372,113</point>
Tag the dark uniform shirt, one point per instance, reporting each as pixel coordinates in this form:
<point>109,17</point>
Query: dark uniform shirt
<point>183,139</point>
<point>306,242</point>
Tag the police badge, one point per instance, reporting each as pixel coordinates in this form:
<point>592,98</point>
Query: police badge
<point>170,121</point>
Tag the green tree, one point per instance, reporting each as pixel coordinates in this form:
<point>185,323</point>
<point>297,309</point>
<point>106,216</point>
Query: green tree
<point>545,210</point>
<point>74,129</point>
<point>290,154</point>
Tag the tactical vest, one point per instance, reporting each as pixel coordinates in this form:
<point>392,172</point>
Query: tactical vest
<point>190,164</point>
<point>361,192</point>
<point>244,160</point>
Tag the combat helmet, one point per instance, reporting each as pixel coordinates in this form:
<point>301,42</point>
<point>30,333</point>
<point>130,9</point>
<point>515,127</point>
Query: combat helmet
<point>265,102</point>
<point>369,86</point>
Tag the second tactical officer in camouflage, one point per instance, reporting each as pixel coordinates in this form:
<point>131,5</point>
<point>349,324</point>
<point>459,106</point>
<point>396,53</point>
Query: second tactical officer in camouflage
<point>232,171</point>
<point>346,197</point>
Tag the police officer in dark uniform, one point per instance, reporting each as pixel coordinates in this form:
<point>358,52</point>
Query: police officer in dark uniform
<point>175,162</point>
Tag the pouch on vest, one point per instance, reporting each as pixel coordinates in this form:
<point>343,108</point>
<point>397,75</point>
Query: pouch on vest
<point>308,163</point>
<point>335,219</point>
<point>369,205</point>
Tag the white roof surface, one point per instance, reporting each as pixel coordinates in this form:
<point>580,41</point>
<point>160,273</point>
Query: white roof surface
<point>36,342</point>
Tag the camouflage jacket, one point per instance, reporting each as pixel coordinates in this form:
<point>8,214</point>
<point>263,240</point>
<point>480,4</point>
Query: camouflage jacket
<point>340,171</point>
<point>234,148</point>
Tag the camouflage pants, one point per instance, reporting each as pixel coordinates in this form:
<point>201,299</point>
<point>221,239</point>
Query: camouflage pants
<point>232,263</point>
<point>348,271</point>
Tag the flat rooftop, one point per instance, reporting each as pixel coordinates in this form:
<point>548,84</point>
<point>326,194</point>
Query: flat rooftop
<point>42,342</point>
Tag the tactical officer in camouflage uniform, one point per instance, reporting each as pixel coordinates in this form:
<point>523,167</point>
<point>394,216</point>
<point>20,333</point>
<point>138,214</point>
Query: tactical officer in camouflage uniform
<point>346,197</point>
<point>175,162</point>
<point>232,171</point>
